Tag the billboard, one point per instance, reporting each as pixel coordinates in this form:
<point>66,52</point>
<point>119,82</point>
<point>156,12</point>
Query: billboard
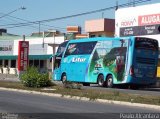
<point>138,21</point>
<point>23,51</point>
<point>6,47</point>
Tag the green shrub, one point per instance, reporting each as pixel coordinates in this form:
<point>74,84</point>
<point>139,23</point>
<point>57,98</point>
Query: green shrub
<point>32,78</point>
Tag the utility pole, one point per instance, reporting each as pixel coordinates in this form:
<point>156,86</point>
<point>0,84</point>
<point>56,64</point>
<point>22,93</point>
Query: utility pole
<point>102,14</point>
<point>116,5</point>
<point>39,27</point>
<point>133,3</point>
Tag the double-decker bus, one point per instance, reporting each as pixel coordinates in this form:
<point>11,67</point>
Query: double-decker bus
<point>107,61</point>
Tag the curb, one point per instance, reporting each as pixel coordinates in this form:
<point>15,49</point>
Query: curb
<point>156,107</point>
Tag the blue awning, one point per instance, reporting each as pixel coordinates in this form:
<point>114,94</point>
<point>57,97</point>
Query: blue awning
<point>9,57</point>
<point>31,57</point>
<point>40,57</point>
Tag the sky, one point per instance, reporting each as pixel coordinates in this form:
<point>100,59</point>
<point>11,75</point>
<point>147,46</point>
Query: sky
<point>11,16</point>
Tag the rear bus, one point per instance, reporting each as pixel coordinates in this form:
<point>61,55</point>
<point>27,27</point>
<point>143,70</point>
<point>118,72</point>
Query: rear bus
<point>143,67</point>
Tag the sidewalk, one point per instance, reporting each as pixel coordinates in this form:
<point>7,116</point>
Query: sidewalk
<point>9,77</point>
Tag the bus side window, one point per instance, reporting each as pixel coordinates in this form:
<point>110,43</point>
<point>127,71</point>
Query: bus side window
<point>70,50</point>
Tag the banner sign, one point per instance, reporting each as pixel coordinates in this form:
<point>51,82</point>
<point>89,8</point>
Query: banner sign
<point>149,19</point>
<point>140,30</point>
<point>23,51</point>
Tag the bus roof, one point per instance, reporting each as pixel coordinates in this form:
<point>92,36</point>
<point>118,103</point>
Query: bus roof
<point>93,39</point>
<point>100,39</point>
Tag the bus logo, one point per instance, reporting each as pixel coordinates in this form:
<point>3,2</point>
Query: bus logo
<point>78,59</point>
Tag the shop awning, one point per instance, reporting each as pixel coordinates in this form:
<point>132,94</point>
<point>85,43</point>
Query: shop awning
<point>8,57</point>
<point>40,57</point>
<point>31,57</point>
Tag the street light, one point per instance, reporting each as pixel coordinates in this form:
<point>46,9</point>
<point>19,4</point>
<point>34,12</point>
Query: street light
<point>21,8</point>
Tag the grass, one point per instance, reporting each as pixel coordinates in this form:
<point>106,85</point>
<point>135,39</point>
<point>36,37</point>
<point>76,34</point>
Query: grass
<point>92,94</point>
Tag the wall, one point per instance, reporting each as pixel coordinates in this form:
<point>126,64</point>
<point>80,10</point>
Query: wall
<point>36,45</point>
<point>100,27</point>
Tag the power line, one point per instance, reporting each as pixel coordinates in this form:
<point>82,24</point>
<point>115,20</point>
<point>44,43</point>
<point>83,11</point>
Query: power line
<point>29,25</point>
<point>21,8</point>
<point>75,15</point>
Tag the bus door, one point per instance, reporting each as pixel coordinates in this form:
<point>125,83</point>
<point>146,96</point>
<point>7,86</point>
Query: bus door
<point>57,61</point>
<point>57,69</point>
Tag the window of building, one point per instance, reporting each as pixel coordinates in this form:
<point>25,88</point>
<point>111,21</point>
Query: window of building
<point>36,63</point>
<point>41,63</point>
<point>1,61</point>
<point>93,36</point>
<point>13,63</point>
<point>5,63</point>
<point>30,63</point>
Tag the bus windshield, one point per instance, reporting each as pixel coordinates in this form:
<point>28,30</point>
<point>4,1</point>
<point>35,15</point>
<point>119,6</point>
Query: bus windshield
<point>61,48</point>
<point>80,48</point>
<point>146,43</point>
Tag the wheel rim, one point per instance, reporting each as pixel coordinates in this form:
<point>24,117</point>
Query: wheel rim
<point>100,81</point>
<point>109,81</point>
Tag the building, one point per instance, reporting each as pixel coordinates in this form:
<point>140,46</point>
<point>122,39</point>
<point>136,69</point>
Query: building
<point>100,27</point>
<point>42,47</point>
<point>74,32</point>
<point>138,21</point>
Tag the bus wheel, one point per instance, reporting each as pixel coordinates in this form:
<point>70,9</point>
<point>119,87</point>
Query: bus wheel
<point>100,80</point>
<point>64,78</point>
<point>110,81</point>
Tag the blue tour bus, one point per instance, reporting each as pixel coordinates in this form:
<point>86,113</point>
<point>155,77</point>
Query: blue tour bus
<point>107,61</point>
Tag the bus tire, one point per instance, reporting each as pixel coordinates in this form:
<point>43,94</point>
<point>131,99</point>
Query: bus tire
<point>100,80</point>
<point>109,81</point>
<point>86,84</point>
<point>64,78</point>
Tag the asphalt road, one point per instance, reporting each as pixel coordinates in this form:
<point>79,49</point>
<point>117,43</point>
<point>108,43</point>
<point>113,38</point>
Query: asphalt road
<point>142,91</point>
<point>38,106</point>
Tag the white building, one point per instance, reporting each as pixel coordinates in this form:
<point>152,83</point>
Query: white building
<point>41,50</point>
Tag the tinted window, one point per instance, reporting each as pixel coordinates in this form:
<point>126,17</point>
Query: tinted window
<point>80,48</point>
<point>13,63</point>
<point>61,48</point>
<point>146,43</point>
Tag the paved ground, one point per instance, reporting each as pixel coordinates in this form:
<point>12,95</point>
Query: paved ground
<point>9,77</point>
<point>18,102</point>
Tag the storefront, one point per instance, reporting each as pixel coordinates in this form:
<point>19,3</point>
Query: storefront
<point>41,51</point>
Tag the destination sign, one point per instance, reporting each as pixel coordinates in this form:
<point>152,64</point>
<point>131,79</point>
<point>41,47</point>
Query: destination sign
<point>140,30</point>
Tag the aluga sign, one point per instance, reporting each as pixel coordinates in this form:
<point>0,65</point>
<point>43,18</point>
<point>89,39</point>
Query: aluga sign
<point>149,19</point>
